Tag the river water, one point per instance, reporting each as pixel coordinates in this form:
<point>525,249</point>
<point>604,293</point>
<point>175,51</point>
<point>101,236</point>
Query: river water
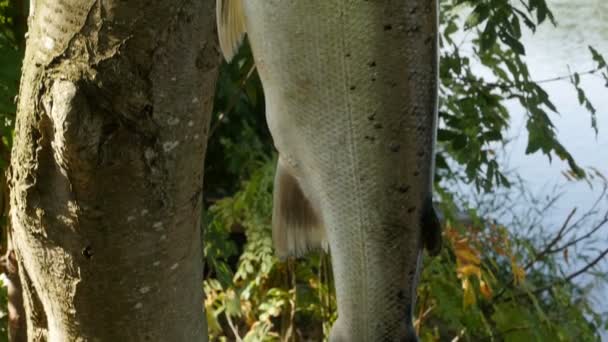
<point>552,52</point>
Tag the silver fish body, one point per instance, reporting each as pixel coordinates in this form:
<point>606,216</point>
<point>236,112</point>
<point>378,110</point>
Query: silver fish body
<point>351,100</point>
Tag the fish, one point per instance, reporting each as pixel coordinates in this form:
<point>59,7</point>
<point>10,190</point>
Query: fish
<point>351,93</point>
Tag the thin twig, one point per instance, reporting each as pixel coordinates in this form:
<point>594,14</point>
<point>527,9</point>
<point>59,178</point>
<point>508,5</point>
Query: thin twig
<point>564,230</point>
<point>597,227</point>
<point>565,77</point>
<point>553,242</point>
<point>421,317</point>
<point>593,210</point>
<point>547,80</point>
<point>233,328</point>
<point>573,275</point>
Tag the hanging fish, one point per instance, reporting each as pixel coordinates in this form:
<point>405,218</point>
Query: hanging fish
<point>351,103</point>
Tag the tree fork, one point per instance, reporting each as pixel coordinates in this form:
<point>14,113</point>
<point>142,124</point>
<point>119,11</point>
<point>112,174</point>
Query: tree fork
<point>107,167</point>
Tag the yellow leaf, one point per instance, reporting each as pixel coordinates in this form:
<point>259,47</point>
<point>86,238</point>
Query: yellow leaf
<point>519,274</point>
<point>469,293</point>
<point>485,290</point>
<point>212,322</point>
<point>468,270</point>
<point>467,255</point>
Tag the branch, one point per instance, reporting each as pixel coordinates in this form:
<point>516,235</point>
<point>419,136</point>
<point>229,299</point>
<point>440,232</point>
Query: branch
<point>563,231</point>
<point>568,227</point>
<point>553,242</point>
<point>597,227</point>
<point>565,77</point>
<point>594,208</point>
<point>573,275</point>
<point>235,331</point>
<point>506,85</point>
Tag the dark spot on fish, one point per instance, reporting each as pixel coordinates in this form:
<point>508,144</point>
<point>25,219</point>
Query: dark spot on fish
<point>416,173</point>
<point>347,55</point>
<point>400,295</point>
<point>87,252</point>
<point>428,40</point>
<point>394,147</point>
<point>372,64</point>
<point>393,84</point>
<point>420,153</point>
<point>372,117</point>
<point>415,28</point>
<point>415,111</point>
<point>148,110</point>
<point>377,125</point>
<point>413,10</point>
<point>411,210</point>
<point>403,188</point>
<point>373,79</point>
<point>421,128</point>
<point>378,327</point>
<point>353,87</point>
<point>370,138</point>
<point>388,27</point>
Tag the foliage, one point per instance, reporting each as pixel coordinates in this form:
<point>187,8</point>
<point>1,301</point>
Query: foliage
<point>493,280</point>
<point>488,283</point>
<point>515,284</point>
<point>3,313</point>
<point>10,70</point>
<point>260,296</point>
<point>11,54</point>
<point>473,111</point>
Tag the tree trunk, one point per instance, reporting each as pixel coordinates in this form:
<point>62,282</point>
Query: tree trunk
<point>107,169</point>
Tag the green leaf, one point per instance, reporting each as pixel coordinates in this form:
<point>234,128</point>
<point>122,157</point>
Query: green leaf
<point>597,57</point>
<point>477,16</point>
<point>488,37</point>
<point>513,43</point>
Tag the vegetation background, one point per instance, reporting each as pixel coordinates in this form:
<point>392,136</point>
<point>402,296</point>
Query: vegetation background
<point>499,278</point>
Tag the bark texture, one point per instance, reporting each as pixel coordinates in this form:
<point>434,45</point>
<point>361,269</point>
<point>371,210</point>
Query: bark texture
<point>107,169</point>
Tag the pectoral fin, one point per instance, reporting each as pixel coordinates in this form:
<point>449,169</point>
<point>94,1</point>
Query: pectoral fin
<point>230,26</point>
<point>296,226</point>
<point>431,229</point>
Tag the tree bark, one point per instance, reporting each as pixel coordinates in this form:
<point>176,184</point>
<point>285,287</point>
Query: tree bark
<point>107,169</point>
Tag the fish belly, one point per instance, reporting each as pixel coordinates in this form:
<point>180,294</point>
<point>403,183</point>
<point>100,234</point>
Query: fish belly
<point>351,98</point>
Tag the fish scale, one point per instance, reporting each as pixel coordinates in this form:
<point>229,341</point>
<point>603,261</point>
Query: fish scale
<point>351,98</point>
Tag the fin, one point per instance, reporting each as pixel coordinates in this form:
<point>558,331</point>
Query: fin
<point>230,26</point>
<point>296,227</point>
<point>431,229</point>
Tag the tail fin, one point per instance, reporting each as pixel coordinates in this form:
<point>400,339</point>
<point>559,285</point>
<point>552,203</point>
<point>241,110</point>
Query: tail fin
<point>230,26</point>
<point>296,226</point>
<point>431,229</point>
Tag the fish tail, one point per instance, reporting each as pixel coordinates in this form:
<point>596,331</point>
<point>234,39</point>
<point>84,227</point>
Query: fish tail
<point>431,229</point>
<point>230,26</point>
<point>296,226</point>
